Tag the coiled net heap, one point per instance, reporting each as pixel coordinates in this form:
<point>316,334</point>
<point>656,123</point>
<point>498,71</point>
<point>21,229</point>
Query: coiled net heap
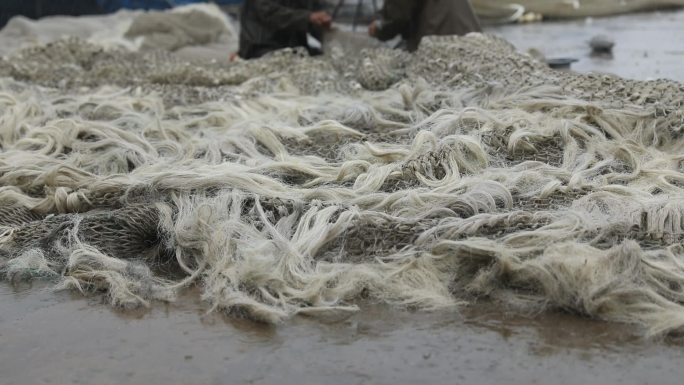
<point>292,185</point>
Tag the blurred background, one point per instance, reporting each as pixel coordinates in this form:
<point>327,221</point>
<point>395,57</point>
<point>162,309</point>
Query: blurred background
<point>490,11</point>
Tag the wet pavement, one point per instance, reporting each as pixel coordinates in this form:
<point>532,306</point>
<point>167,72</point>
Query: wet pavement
<point>62,338</point>
<point>648,45</point>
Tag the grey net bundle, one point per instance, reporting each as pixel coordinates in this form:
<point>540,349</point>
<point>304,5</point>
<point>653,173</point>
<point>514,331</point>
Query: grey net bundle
<point>296,185</point>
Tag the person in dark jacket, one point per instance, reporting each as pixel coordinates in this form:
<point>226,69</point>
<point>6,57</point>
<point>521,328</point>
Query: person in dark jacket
<point>414,19</point>
<point>35,9</point>
<point>269,25</point>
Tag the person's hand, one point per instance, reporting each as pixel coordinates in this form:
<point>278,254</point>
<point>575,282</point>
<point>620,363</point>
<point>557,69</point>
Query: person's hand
<point>321,19</point>
<point>373,29</point>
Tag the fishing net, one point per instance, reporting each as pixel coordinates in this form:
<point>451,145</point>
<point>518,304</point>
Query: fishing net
<point>296,185</point>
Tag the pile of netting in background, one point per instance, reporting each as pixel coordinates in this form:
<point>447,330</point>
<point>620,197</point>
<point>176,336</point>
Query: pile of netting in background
<point>296,185</point>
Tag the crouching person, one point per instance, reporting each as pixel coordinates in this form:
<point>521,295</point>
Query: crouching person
<point>269,25</point>
<point>414,19</point>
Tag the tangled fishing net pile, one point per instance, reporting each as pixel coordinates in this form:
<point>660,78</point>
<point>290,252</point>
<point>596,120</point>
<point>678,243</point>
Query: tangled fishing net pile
<point>296,185</point>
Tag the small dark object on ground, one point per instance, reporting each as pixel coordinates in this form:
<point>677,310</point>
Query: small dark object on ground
<point>601,44</point>
<point>560,63</point>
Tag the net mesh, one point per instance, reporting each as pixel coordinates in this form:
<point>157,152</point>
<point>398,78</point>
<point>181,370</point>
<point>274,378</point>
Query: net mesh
<point>291,184</point>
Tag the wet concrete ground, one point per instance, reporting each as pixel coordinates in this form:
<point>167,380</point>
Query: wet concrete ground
<point>61,338</point>
<point>648,45</point>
